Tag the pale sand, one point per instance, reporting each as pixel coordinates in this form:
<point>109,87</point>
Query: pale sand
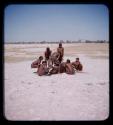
<point>83,96</point>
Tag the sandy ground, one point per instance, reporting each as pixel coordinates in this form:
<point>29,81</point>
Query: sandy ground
<point>83,96</point>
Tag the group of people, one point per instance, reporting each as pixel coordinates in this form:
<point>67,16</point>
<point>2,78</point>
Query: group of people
<point>52,63</point>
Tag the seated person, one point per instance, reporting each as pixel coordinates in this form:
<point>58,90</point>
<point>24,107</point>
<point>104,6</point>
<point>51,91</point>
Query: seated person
<point>54,69</point>
<point>62,67</point>
<point>56,62</point>
<point>37,62</point>
<point>77,65</point>
<point>69,67</point>
<point>43,70</point>
<point>47,53</point>
<point>53,66</point>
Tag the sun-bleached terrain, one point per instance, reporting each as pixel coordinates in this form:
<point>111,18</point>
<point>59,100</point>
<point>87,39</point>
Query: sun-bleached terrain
<point>82,96</point>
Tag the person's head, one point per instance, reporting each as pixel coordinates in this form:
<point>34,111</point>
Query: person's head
<point>47,49</point>
<point>60,44</point>
<point>41,58</point>
<point>68,61</point>
<point>77,59</point>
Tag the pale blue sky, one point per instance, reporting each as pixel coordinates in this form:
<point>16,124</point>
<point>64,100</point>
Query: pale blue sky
<point>54,22</point>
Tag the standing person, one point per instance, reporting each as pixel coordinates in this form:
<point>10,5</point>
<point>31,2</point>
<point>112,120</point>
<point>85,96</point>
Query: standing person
<point>47,53</point>
<point>69,67</point>
<point>37,62</point>
<point>77,65</point>
<point>60,50</point>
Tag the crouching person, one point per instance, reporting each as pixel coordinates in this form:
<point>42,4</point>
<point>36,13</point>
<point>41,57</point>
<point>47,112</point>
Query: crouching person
<point>37,62</point>
<point>62,67</point>
<point>77,65</point>
<point>54,69</point>
<point>42,69</point>
<point>69,67</point>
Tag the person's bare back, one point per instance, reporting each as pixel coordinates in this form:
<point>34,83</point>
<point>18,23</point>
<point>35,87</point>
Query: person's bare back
<point>42,70</point>
<point>69,67</point>
<point>62,67</point>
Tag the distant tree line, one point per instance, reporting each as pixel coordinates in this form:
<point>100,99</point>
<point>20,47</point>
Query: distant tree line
<point>98,41</point>
<point>54,42</point>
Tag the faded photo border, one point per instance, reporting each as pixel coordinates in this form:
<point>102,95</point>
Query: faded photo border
<point>2,116</point>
